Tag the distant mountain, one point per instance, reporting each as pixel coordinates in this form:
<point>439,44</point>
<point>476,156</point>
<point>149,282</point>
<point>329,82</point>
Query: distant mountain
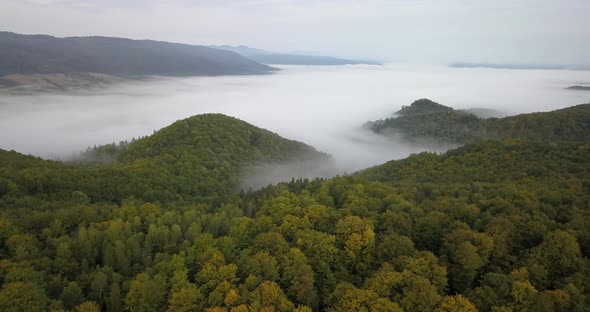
<point>580,88</point>
<point>428,119</point>
<point>267,57</point>
<point>197,157</point>
<point>518,66</point>
<point>242,50</point>
<point>41,54</point>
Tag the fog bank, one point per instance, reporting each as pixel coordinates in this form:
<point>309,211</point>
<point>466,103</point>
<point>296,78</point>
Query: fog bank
<point>321,106</point>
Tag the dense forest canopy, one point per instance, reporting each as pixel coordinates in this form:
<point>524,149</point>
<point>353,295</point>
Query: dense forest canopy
<point>427,119</point>
<point>495,225</point>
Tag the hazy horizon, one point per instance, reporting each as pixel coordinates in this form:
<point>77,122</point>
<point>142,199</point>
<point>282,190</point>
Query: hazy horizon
<point>425,31</point>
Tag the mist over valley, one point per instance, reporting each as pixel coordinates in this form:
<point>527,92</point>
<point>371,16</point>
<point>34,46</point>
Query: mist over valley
<point>294,156</point>
<point>323,106</point>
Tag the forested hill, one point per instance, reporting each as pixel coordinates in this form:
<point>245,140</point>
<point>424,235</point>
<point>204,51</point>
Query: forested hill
<point>521,160</point>
<point>211,136</point>
<point>422,107</point>
<point>41,54</point>
<point>198,157</point>
<point>428,119</point>
<point>495,226</point>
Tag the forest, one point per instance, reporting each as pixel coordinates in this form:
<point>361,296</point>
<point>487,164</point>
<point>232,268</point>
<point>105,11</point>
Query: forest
<point>499,224</point>
<point>425,119</point>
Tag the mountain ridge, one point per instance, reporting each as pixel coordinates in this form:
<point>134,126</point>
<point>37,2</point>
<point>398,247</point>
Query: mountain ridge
<point>44,54</point>
<point>280,58</point>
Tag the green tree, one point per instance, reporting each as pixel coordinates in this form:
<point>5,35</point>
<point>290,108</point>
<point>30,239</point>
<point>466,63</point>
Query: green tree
<point>456,303</point>
<point>186,299</point>
<point>115,301</point>
<point>144,295</point>
<point>99,287</point>
<point>297,278</point>
<point>22,297</point>
<point>467,252</point>
<point>72,295</point>
<point>560,254</point>
<point>269,297</point>
<point>262,265</point>
<point>88,306</point>
<point>23,246</point>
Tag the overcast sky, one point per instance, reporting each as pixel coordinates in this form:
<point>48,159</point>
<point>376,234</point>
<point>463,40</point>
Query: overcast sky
<point>421,31</point>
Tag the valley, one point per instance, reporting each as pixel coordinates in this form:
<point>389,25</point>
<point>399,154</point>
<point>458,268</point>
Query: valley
<point>162,224</point>
<point>294,156</point>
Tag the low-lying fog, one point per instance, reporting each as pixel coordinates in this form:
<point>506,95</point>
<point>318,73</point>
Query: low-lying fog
<point>321,106</point>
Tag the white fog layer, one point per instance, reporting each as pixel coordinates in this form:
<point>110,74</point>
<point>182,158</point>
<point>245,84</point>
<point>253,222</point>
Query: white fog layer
<point>321,106</point>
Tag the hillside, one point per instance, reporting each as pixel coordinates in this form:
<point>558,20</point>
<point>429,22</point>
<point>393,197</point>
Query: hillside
<point>41,54</point>
<point>499,225</point>
<point>159,223</point>
<point>430,120</point>
<point>273,58</point>
<point>479,163</point>
<point>198,157</point>
<point>216,136</point>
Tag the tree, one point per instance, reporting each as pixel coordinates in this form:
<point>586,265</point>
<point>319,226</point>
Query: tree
<point>426,265</point>
<point>23,246</point>
<point>215,272</point>
<point>115,301</point>
<point>22,297</point>
<point>553,300</point>
<point>144,295</point>
<point>429,229</point>
<point>349,298</point>
<point>524,295</point>
<point>99,286</point>
<point>72,295</point>
<point>393,245</point>
<point>456,303</point>
<point>186,299</point>
<point>357,240</point>
<point>419,295</point>
<point>262,265</point>
<point>386,283</point>
<point>467,252</point>
<point>269,296</point>
<point>297,278</point>
<point>560,254</point>
<point>88,306</point>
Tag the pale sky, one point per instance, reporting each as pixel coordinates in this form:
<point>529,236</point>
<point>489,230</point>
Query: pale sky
<point>419,31</point>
